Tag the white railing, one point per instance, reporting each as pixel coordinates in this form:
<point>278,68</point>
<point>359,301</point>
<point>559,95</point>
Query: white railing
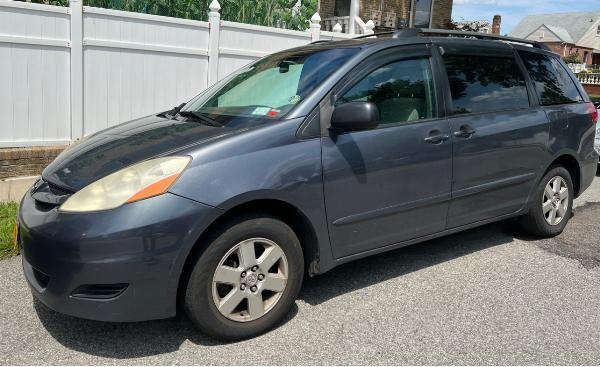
<point>576,68</point>
<point>342,24</point>
<point>589,78</point>
<point>66,72</point>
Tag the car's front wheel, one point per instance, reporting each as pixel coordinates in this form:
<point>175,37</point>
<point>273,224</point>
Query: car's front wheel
<point>552,205</point>
<point>246,280</point>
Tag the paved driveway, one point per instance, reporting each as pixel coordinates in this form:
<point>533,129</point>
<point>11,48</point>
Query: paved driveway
<point>487,296</point>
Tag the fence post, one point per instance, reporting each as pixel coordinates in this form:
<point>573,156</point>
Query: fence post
<point>369,27</point>
<point>214,21</point>
<point>76,10</point>
<point>315,27</point>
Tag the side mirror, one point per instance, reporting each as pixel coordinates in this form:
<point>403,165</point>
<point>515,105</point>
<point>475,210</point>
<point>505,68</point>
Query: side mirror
<point>355,116</point>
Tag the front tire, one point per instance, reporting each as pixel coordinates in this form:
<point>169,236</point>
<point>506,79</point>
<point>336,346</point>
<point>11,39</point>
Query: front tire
<point>246,280</point>
<point>552,204</point>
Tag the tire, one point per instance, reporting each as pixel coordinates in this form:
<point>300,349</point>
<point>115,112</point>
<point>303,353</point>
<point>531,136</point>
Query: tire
<point>537,220</point>
<point>229,251</point>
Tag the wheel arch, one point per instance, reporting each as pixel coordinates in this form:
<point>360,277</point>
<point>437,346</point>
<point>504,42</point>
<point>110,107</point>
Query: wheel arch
<point>571,164</point>
<point>280,209</point>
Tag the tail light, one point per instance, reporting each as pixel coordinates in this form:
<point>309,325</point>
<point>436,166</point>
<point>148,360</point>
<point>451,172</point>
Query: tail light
<point>592,109</point>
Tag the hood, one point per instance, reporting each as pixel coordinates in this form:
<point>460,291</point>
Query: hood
<point>110,150</point>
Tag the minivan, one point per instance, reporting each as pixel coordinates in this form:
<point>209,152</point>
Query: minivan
<point>299,162</point>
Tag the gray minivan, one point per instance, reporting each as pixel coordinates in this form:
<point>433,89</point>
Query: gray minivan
<point>301,161</point>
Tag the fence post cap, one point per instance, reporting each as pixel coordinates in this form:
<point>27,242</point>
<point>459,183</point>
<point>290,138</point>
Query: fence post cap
<point>214,6</point>
<point>337,28</point>
<point>316,18</point>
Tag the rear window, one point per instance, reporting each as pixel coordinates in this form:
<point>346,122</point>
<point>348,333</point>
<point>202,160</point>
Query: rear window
<point>484,84</point>
<point>552,82</point>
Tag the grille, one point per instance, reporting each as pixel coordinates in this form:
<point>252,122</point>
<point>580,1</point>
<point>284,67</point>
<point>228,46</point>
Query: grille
<point>48,196</point>
<point>57,190</point>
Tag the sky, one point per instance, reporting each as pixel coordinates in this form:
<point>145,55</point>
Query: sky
<point>513,11</point>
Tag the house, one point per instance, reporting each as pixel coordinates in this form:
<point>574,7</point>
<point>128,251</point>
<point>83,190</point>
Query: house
<point>386,14</point>
<point>564,33</point>
<point>481,26</point>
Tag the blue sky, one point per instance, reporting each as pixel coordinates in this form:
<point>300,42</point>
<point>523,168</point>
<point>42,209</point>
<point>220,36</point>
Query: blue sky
<point>513,11</point>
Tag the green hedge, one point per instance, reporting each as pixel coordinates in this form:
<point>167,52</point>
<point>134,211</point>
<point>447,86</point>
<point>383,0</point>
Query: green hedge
<point>272,13</point>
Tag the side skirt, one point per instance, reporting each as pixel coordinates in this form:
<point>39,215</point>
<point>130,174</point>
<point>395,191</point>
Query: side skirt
<point>398,245</point>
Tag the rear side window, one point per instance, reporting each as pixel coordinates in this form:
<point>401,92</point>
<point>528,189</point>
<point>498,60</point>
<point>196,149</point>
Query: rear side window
<point>552,83</point>
<point>402,90</point>
<point>484,84</point>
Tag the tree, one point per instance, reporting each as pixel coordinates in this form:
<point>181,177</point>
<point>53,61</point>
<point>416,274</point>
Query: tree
<point>468,25</point>
<point>271,13</point>
<point>572,59</point>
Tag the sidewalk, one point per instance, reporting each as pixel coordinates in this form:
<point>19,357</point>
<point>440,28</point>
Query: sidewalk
<point>13,189</point>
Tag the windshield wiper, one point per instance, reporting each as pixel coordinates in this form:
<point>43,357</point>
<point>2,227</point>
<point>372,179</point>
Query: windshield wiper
<point>172,112</point>
<point>200,117</point>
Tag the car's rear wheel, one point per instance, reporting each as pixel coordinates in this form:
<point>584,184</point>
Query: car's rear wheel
<point>552,205</point>
<point>246,280</point>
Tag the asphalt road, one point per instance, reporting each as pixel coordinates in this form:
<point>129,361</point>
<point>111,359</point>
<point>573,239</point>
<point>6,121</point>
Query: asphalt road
<point>491,295</point>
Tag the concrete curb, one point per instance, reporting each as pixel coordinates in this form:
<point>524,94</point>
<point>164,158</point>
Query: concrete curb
<point>13,189</point>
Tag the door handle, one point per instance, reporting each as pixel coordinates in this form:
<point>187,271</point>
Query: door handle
<point>465,131</point>
<point>436,139</point>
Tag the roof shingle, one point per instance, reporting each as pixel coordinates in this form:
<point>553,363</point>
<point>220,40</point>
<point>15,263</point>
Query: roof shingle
<point>570,27</point>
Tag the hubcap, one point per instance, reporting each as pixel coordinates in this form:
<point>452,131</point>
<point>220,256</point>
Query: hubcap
<point>555,201</point>
<point>250,279</point>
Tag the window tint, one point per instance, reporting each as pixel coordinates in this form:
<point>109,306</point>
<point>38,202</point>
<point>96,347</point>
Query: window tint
<point>403,91</point>
<point>481,84</point>
<point>552,83</point>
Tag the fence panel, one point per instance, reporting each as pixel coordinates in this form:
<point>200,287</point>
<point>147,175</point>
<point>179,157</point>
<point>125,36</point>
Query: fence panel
<point>71,71</point>
<point>335,36</point>
<point>34,74</point>
<point>240,44</point>
<point>138,64</point>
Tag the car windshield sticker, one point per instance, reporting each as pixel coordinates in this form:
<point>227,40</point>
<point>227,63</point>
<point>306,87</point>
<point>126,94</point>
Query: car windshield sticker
<point>273,113</point>
<point>294,99</point>
<point>261,111</point>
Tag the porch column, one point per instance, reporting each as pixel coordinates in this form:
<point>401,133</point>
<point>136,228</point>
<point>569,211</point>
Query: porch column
<point>354,9</point>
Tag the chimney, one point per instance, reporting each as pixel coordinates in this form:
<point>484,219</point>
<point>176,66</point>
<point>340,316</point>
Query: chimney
<point>496,24</point>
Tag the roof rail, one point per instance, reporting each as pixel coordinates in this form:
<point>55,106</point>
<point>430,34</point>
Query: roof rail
<point>375,34</point>
<point>414,32</point>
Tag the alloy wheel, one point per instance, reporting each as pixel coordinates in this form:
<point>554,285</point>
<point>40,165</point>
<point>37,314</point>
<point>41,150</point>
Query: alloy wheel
<point>250,279</point>
<point>555,200</point>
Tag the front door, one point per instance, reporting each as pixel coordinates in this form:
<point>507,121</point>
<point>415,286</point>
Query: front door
<point>391,183</point>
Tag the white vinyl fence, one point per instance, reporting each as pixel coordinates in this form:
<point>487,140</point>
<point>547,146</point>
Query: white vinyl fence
<point>66,72</point>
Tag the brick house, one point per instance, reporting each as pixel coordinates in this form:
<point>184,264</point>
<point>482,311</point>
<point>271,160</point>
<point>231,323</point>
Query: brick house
<point>564,33</point>
<point>387,14</point>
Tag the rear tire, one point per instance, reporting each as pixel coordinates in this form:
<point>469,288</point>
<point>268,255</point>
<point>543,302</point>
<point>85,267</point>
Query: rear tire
<point>233,291</point>
<point>552,204</point>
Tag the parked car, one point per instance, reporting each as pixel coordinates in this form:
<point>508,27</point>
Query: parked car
<point>304,160</point>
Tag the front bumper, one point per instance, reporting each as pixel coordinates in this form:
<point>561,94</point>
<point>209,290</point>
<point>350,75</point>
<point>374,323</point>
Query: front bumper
<point>141,247</point>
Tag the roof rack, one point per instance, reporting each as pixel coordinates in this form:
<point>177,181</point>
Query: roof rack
<point>415,32</point>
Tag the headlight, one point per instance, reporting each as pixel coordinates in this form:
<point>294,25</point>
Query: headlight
<point>137,182</point>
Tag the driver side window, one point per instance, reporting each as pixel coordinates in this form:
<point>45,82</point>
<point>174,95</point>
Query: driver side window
<point>402,90</point>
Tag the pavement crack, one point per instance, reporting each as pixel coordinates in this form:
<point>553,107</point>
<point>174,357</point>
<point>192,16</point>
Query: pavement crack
<point>580,239</point>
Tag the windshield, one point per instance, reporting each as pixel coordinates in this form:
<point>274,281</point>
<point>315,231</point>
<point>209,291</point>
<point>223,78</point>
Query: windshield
<point>269,88</point>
